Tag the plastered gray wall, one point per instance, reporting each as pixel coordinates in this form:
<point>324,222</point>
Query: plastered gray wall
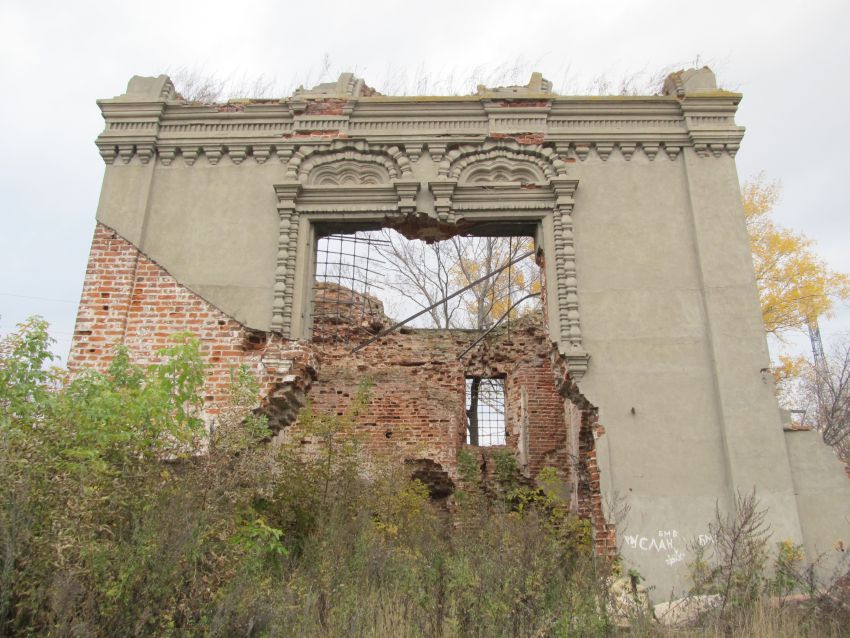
<point>822,495</point>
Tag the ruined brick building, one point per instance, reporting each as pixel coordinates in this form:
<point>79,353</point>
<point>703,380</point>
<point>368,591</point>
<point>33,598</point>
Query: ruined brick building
<point>643,380</point>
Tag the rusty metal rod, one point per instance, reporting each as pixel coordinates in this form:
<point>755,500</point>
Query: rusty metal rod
<point>395,327</point>
<point>495,325</point>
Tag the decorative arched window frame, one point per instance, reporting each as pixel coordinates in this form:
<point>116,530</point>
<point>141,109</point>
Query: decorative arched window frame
<point>531,191</point>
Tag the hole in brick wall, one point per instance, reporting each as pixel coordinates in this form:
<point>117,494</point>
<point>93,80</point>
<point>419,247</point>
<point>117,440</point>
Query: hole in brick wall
<point>253,340</point>
<point>485,411</point>
<point>432,475</point>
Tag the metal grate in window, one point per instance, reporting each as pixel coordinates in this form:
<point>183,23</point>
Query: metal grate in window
<point>485,411</point>
<point>349,272</point>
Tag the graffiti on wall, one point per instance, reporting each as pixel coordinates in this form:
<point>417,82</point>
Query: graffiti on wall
<point>665,541</point>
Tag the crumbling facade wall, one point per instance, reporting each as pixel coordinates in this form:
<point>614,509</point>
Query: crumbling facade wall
<point>416,406</point>
<point>652,313</point>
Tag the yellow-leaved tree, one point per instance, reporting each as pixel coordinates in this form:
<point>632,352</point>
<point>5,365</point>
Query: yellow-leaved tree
<point>508,294</point>
<point>428,273</point>
<point>795,285</point>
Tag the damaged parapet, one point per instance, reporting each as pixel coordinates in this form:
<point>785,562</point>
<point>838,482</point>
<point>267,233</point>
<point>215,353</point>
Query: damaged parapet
<point>144,89</point>
<point>536,85</point>
<point>690,82</point>
<point>346,86</point>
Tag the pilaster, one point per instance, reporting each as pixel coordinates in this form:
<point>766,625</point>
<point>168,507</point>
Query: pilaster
<point>287,247</point>
<point>750,422</point>
<point>566,282</point>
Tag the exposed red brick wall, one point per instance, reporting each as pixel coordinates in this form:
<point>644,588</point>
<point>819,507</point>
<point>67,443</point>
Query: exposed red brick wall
<point>128,299</point>
<point>418,382</point>
<point>583,431</point>
<point>590,504</point>
<point>532,399</point>
<point>521,138</point>
<point>418,391</point>
<point>418,395</point>
<point>328,106</point>
<point>105,301</point>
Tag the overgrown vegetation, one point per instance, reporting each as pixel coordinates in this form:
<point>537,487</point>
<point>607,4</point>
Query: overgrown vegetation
<point>123,514</point>
<point>745,583</point>
<point>796,289</point>
<point>119,517</point>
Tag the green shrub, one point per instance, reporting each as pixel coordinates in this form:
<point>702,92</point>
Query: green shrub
<point>122,515</point>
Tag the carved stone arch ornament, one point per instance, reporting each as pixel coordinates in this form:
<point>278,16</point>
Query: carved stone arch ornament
<point>350,154</point>
<point>501,169</point>
<point>506,152</point>
<point>489,182</point>
<point>348,172</point>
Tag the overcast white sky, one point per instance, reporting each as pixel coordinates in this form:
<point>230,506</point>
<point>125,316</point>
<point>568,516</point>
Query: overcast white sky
<point>790,59</point>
